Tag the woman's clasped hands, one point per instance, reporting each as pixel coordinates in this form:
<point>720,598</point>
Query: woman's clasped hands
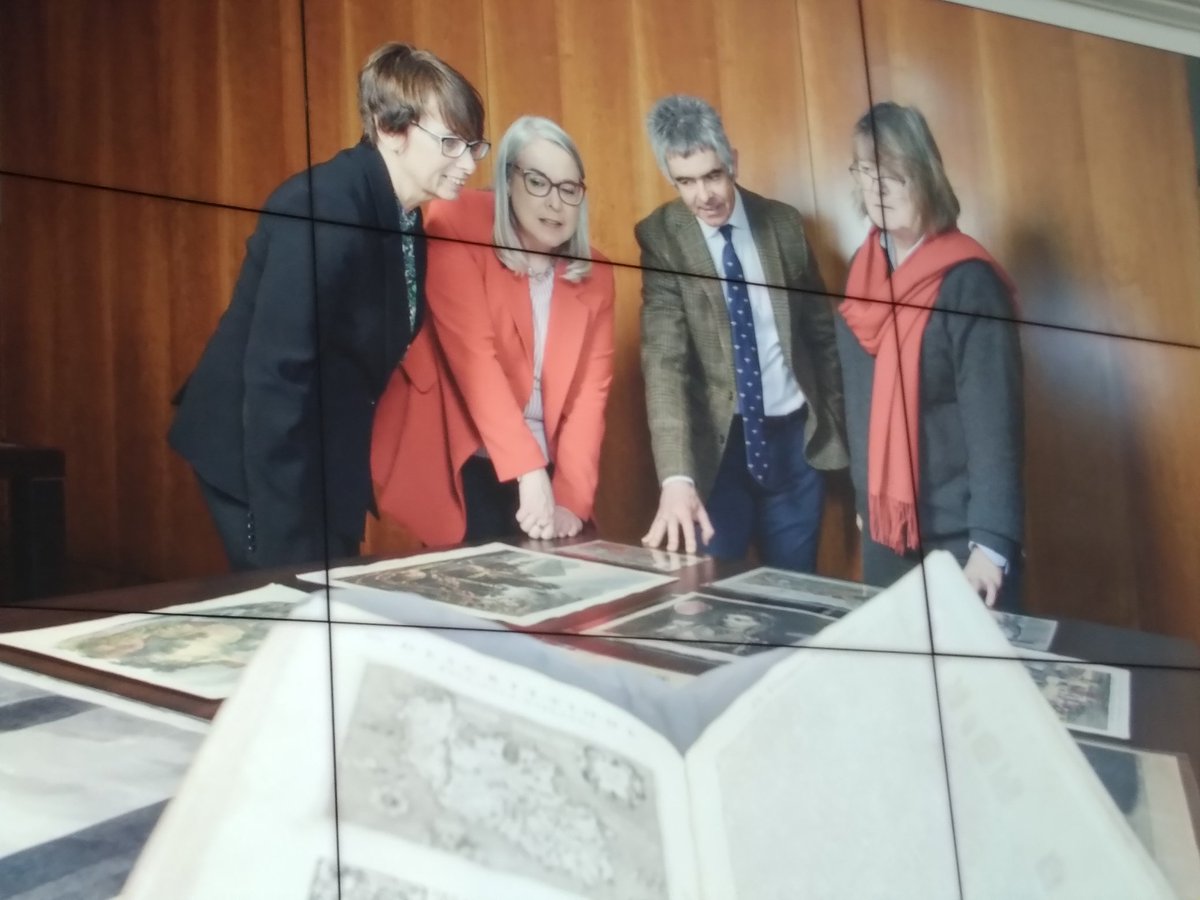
<point>538,515</point>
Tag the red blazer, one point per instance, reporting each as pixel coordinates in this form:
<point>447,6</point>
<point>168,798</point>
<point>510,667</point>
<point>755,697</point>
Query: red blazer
<point>469,373</point>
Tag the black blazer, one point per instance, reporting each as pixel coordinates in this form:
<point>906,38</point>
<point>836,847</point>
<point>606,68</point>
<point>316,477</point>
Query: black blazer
<point>278,411</point>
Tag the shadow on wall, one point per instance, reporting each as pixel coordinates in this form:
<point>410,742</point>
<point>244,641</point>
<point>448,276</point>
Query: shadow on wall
<point>1081,509</point>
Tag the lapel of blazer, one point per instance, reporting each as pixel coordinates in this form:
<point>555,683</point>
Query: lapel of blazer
<point>564,345</point>
<point>770,254</point>
<point>697,261</point>
<point>396,331</point>
<point>515,299</point>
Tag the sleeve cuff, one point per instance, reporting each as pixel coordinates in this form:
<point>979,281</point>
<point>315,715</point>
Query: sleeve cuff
<point>672,478</point>
<point>996,558</point>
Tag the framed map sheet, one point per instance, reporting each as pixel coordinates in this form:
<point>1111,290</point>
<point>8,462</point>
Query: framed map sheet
<point>196,648</point>
<point>500,582</point>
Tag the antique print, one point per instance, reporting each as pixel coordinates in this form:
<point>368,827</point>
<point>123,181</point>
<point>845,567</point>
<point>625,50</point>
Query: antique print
<point>827,596</point>
<point>199,654</point>
<point>716,627</point>
<point>634,557</point>
<point>1086,697</point>
<point>358,883</point>
<point>1157,796</point>
<point>500,582</point>
<point>80,768</point>
<point>444,771</point>
<point>1026,632</point>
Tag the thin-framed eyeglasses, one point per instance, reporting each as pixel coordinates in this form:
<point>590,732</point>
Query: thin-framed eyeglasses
<point>454,146</point>
<point>538,185</point>
<point>887,183</point>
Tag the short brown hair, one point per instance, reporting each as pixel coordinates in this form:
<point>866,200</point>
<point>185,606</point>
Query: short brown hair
<point>901,138</point>
<point>398,82</point>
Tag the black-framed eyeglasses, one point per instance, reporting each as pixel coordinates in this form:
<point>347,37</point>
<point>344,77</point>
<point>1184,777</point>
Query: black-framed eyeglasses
<point>886,183</point>
<point>454,146</point>
<point>571,192</point>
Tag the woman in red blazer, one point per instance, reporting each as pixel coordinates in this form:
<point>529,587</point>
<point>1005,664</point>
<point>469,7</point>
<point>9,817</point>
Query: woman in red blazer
<point>492,425</point>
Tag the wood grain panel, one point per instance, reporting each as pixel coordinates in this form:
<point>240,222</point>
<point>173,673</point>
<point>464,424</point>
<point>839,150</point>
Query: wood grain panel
<point>105,334</point>
<point>1164,479</point>
<point>523,61</point>
<point>1079,498</point>
<point>835,95</point>
<point>600,110</point>
<point>1142,172</point>
<point>195,98</point>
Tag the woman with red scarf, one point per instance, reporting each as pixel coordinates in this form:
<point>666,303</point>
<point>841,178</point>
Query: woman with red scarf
<point>932,367</point>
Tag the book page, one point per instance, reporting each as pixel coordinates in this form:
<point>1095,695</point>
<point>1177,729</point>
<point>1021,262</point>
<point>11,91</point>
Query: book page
<point>1032,819</point>
<point>826,779</point>
<point>458,774</point>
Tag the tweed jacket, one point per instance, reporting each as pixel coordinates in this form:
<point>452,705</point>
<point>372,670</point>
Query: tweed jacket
<point>687,357</point>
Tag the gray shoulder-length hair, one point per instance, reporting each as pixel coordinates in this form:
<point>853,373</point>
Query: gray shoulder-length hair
<point>504,233</point>
<point>680,125</point>
<point>900,137</point>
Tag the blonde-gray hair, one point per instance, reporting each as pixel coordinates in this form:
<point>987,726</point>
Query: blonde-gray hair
<point>900,137</point>
<point>520,134</point>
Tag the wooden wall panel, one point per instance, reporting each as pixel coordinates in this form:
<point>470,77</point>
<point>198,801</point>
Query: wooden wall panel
<point>196,98</point>
<point>1073,160</point>
<point>106,334</point>
<point>1162,470</point>
<point>600,109</point>
<point>835,95</point>
<point>1143,173</point>
<point>835,87</point>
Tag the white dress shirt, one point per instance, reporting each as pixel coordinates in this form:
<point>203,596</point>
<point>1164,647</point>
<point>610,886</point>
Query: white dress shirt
<point>541,287</point>
<point>781,392</point>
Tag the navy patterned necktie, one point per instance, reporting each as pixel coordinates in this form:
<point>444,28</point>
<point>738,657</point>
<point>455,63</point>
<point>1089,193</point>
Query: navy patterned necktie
<point>746,373</point>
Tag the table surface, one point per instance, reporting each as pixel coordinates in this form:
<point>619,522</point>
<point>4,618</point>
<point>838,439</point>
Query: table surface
<point>1165,670</point>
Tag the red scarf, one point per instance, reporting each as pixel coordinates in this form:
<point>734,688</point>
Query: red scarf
<point>895,342</point>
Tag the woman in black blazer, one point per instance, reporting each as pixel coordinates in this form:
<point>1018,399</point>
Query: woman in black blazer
<point>276,417</point>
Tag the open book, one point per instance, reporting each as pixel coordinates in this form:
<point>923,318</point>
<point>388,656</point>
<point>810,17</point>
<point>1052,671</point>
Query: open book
<point>477,763</point>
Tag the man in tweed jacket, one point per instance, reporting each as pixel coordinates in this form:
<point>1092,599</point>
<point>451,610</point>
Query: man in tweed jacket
<point>707,422</point>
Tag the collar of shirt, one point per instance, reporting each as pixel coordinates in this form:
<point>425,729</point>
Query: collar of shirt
<point>737,219</point>
<point>889,247</point>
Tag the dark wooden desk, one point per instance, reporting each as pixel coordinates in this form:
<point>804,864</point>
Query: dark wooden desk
<point>36,521</point>
<point>1166,671</point>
